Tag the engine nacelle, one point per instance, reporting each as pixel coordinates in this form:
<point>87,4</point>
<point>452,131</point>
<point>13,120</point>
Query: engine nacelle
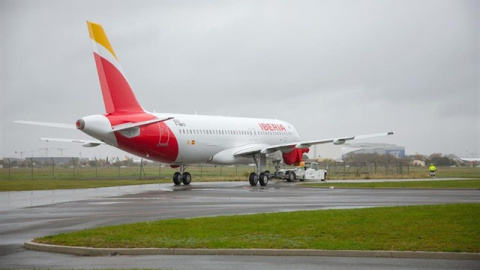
<point>295,156</point>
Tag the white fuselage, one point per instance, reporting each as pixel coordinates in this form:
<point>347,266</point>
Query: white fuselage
<point>202,138</point>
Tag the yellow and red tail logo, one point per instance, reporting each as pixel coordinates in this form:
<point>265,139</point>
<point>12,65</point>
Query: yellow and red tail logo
<point>117,93</point>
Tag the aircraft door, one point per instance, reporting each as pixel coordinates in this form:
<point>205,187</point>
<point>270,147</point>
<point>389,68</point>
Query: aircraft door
<point>164,136</point>
<point>253,135</point>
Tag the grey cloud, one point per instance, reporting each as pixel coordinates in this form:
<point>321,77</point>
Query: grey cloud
<point>329,67</point>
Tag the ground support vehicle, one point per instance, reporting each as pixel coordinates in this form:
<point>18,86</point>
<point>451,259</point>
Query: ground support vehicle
<point>311,171</point>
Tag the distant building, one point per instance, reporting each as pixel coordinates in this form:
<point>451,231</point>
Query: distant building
<point>373,148</point>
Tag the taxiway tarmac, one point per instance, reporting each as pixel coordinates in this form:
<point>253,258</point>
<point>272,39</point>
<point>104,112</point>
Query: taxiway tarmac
<point>153,202</point>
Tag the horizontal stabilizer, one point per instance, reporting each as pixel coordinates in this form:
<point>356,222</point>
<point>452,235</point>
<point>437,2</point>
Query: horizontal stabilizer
<point>139,124</point>
<point>46,124</point>
<point>85,143</point>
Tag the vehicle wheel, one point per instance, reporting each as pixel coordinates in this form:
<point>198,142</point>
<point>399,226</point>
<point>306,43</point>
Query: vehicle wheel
<point>263,178</point>
<point>186,178</point>
<point>253,179</point>
<point>291,177</point>
<point>177,178</point>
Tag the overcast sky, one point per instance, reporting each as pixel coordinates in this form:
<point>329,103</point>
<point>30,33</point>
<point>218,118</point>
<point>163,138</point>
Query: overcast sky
<point>331,68</point>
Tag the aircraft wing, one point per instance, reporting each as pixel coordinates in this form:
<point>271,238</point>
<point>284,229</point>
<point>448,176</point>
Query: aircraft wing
<point>304,144</point>
<point>85,143</point>
<point>340,140</point>
<point>250,149</point>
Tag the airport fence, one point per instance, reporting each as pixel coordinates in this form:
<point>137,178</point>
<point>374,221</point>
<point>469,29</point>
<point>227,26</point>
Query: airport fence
<point>75,170</point>
<point>31,170</point>
<point>367,169</point>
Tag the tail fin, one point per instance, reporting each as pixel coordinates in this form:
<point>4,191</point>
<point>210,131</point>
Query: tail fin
<point>117,93</point>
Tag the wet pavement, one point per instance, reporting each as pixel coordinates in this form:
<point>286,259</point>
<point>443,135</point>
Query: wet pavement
<point>26,215</point>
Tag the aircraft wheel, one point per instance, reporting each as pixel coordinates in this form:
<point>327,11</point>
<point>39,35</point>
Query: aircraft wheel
<point>177,178</point>
<point>253,179</point>
<point>186,178</point>
<point>291,177</point>
<point>263,178</point>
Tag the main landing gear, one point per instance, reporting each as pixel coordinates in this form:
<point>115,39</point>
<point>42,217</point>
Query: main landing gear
<point>182,176</point>
<point>259,176</point>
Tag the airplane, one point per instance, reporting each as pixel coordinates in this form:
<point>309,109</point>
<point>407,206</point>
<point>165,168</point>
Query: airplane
<point>183,139</point>
<point>470,159</point>
<point>473,161</point>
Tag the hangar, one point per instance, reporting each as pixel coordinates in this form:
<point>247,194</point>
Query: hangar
<point>373,148</point>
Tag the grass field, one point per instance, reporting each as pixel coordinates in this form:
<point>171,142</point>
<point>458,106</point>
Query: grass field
<point>453,184</point>
<point>449,228</point>
<point>229,173</point>
<point>21,179</point>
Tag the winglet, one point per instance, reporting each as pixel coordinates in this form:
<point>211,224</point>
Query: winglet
<point>117,93</point>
